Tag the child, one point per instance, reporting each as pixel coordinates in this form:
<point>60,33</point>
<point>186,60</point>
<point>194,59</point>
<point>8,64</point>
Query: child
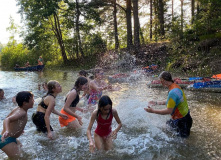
<point>71,102</point>
<point>2,93</point>
<point>14,124</point>
<point>103,135</point>
<point>96,87</point>
<point>45,107</point>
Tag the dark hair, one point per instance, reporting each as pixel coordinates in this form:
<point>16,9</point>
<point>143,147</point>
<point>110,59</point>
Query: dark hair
<point>166,76</point>
<point>1,90</point>
<point>104,101</point>
<point>22,97</point>
<point>79,82</point>
<point>83,73</point>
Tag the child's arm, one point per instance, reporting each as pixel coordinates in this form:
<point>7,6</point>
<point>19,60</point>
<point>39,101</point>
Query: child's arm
<point>115,114</point>
<point>91,142</point>
<point>59,114</point>
<point>47,115</point>
<point>71,96</point>
<point>13,117</point>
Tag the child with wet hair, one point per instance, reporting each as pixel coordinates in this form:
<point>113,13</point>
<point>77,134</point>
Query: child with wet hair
<point>47,106</point>
<point>14,124</point>
<point>72,99</point>
<point>103,134</point>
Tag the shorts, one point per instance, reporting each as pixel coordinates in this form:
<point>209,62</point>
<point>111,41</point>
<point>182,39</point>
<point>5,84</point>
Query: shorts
<point>39,121</point>
<point>7,141</point>
<point>182,125</point>
<point>64,122</point>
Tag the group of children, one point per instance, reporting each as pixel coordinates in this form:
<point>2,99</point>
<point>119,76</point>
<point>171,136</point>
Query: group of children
<point>15,122</point>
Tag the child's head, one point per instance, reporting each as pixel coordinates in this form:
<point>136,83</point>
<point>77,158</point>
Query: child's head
<point>105,104</point>
<point>98,72</point>
<point>83,73</point>
<point>22,97</point>
<point>2,93</point>
<point>53,86</point>
<point>81,83</point>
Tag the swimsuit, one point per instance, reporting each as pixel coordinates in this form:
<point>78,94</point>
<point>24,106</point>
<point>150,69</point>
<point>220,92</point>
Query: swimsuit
<point>42,103</point>
<point>94,97</point>
<point>7,141</point>
<point>64,122</point>
<point>39,121</point>
<point>104,126</point>
<point>38,118</point>
<point>181,119</point>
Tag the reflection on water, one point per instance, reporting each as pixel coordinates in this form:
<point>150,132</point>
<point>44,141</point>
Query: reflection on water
<point>143,135</point>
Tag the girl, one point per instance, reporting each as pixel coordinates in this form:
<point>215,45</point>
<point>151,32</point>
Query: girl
<point>45,107</point>
<point>71,102</point>
<point>103,134</point>
<point>96,87</point>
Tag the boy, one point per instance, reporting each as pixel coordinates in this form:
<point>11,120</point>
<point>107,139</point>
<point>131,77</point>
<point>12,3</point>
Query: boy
<point>14,124</point>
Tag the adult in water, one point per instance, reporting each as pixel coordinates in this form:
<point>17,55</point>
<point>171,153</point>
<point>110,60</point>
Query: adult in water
<point>176,104</point>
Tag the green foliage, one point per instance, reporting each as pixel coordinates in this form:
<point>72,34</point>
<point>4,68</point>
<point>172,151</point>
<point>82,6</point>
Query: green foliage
<point>15,54</point>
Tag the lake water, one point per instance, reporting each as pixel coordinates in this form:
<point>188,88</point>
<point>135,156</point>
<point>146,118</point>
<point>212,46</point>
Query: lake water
<point>143,136</point>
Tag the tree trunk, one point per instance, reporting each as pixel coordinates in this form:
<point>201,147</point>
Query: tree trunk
<point>172,10</point>
<point>57,31</point>
<point>136,24</point>
<point>181,19</point>
<point>151,20</point>
<point>115,26</point>
<point>129,26</point>
<point>161,17</point>
<point>77,28</point>
<point>192,10</point>
<point>156,22</point>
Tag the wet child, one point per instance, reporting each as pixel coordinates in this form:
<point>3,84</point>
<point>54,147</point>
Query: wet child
<point>2,94</point>
<point>103,134</point>
<point>96,87</point>
<point>14,124</point>
<point>42,117</point>
<point>74,121</point>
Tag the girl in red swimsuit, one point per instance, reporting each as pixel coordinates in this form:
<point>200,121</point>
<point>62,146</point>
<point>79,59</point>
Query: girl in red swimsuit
<point>103,134</point>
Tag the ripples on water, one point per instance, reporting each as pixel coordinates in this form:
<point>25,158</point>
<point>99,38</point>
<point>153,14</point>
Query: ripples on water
<point>143,135</point>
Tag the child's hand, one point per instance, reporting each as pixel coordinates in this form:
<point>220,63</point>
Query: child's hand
<point>91,147</point>
<point>114,134</point>
<point>149,109</point>
<point>152,103</point>
<point>5,135</point>
<point>64,116</point>
<point>80,120</point>
<point>50,135</point>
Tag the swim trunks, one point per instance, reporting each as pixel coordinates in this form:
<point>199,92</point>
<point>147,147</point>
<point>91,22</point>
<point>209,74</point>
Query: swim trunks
<point>39,121</point>
<point>7,141</point>
<point>64,122</point>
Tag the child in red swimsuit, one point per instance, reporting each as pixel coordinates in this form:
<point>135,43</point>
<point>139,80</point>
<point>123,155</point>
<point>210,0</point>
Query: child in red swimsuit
<point>103,134</point>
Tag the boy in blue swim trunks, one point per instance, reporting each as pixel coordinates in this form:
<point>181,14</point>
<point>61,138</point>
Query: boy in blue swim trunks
<point>14,124</point>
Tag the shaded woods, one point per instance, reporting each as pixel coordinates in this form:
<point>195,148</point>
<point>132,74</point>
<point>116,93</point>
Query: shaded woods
<point>177,34</point>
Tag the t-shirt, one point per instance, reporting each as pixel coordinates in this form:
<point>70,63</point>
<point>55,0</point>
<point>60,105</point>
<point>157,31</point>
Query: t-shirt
<point>177,99</point>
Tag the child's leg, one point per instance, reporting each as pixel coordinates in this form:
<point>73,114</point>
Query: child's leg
<point>12,150</point>
<point>99,142</point>
<point>108,143</point>
<point>74,124</point>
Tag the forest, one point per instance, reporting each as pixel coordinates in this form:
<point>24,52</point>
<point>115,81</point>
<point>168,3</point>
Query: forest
<point>181,35</point>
